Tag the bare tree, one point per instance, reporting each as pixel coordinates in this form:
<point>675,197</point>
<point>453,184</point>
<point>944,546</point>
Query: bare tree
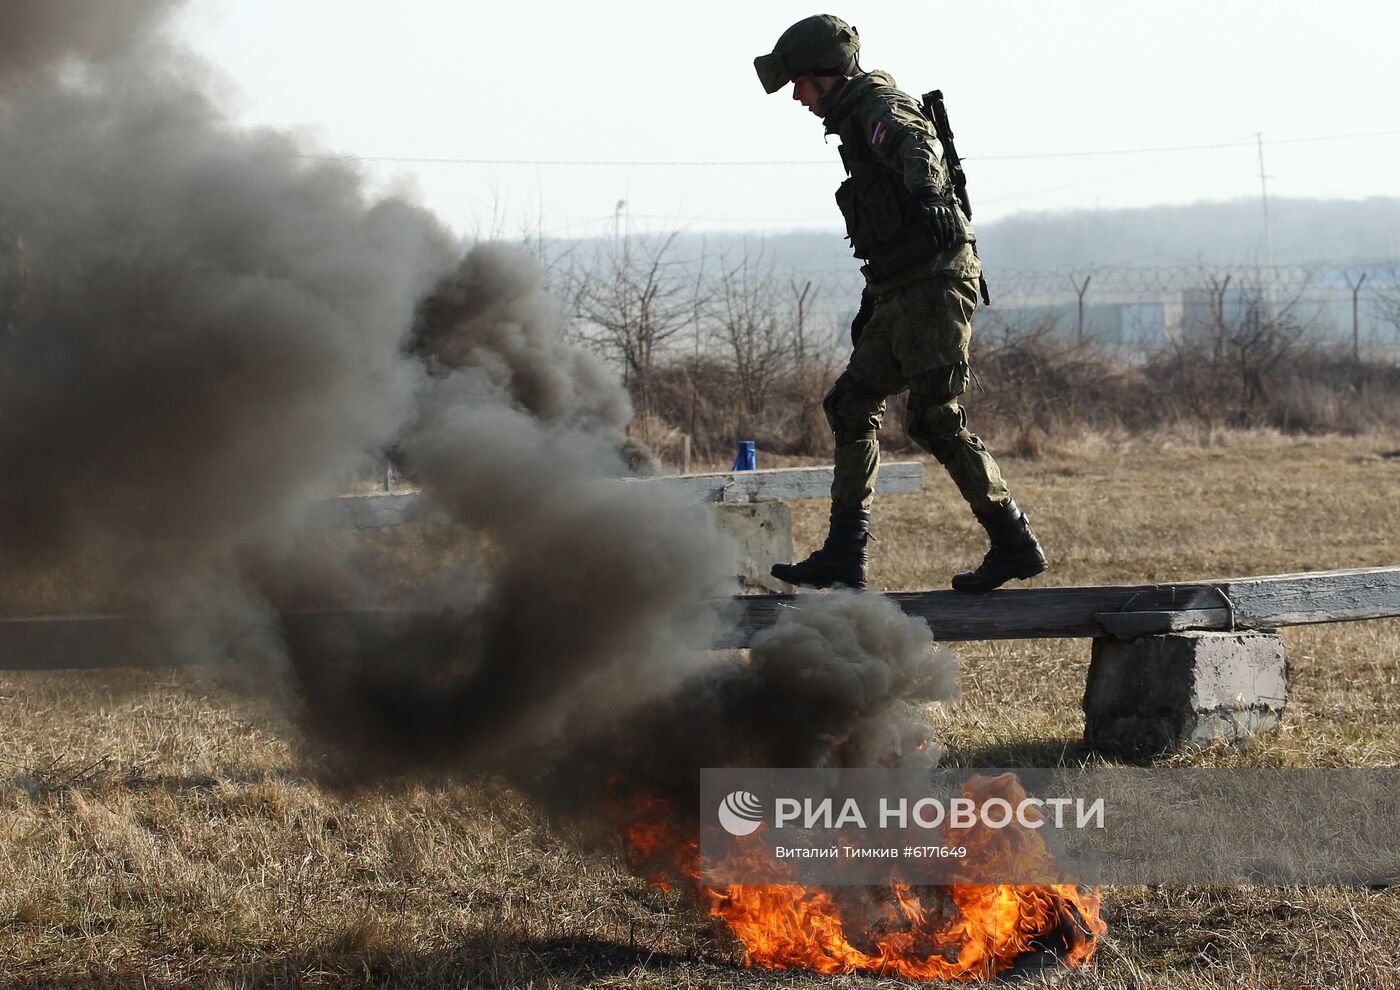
<point>753,330</point>
<point>1262,333</point>
<point>1241,334</point>
<point>635,301</point>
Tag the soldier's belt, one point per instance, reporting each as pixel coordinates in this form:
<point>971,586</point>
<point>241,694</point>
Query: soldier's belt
<point>905,261</point>
<point>878,287</point>
<point>882,278</point>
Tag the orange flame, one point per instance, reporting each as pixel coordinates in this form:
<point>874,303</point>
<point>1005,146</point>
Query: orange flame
<point>958,932</point>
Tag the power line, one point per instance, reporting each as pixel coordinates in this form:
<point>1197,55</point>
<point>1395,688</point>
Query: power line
<point>1164,149</point>
<point>601,163</point>
<point>657,163</point>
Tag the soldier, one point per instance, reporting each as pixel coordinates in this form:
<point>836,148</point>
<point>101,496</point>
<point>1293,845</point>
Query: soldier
<point>922,277</point>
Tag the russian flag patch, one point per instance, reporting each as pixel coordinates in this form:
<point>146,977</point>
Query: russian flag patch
<point>878,135</point>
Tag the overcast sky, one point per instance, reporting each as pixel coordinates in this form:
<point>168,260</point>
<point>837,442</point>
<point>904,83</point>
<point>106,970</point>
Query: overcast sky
<point>1027,81</point>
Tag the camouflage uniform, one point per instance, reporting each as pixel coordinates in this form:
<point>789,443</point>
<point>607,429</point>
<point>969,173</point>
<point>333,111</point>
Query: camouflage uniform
<point>923,297</point>
<point>922,279</point>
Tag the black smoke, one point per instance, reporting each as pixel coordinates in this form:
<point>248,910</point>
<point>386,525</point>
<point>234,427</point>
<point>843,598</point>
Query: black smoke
<point>216,331</point>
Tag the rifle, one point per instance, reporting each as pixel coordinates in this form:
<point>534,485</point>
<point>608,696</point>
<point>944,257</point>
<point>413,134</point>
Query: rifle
<point>937,114</point>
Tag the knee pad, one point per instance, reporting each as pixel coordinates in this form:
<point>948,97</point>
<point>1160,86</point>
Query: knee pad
<point>938,427</point>
<point>942,384</point>
<point>854,413</point>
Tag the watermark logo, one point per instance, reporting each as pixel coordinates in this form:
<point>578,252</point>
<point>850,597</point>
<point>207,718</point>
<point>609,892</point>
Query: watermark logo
<point>741,813</point>
<point>1104,825</point>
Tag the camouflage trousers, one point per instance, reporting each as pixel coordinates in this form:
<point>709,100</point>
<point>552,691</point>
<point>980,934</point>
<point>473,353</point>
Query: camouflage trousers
<point>916,338</point>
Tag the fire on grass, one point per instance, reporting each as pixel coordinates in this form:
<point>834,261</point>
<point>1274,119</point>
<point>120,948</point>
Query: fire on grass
<point>959,932</point>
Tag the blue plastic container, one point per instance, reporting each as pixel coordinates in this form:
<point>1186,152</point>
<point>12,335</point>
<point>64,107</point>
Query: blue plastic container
<point>748,457</point>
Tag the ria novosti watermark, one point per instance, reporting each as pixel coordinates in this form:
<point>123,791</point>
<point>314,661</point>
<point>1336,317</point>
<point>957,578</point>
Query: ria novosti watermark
<point>931,813</point>
<point>1050,826</point>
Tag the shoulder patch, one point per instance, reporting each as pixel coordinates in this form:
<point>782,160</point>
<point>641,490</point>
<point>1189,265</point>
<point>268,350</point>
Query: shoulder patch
<point>878,135</point>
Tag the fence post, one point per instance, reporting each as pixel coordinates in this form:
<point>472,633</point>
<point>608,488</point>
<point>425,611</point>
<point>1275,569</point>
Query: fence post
<point>1080,290</point>
<point>1355,315</point>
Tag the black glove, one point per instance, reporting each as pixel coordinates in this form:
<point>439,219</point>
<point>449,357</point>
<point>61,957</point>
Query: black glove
<point>940,217</point>
<point>867,308</point>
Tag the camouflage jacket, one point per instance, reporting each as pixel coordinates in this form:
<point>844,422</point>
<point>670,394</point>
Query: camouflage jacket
<point>890,152</point>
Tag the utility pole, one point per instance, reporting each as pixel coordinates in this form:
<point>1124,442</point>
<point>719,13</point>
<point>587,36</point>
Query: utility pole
<point>1268,231</point>
<point>617,218</point>
<point>1356,316</point>
<point>1080,290</point>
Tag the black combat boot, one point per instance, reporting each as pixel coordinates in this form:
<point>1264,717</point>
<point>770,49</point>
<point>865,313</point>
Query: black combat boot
<point>1015,553</point>
<point>842,559</point>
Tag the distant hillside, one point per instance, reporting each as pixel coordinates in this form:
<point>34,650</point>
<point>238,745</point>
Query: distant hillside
<point>1305,231</point>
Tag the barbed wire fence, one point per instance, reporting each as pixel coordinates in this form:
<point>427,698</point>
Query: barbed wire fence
<point>1134,306</point>
<point>1142,305</point>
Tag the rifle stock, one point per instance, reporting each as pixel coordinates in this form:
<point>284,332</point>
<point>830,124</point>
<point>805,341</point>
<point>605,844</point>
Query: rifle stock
<point>937,113</point>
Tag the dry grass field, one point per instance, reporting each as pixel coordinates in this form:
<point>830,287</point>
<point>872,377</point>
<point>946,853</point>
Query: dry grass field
<point>158,829</point>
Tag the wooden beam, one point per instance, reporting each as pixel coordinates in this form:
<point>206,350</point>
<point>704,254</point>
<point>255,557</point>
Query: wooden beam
<point>1317,596</point>
<point>1268,602</point>
<point>81,642</point>
<point>1130,625</point>
<point>782,484</point>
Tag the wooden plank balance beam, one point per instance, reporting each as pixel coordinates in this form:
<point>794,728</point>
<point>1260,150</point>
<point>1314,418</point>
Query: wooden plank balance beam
<point>1172,666</point>
<point>1125,611</point>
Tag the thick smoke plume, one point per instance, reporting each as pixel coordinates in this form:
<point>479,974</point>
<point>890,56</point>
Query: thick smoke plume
<point>42,36</point>
<point>210,332</point>
<point>584,598</point>
<point>214,332</point>
<point>842,681</point>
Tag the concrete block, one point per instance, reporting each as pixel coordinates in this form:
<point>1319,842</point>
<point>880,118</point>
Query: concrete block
<point>1183,690</point>
<point>763,531</point>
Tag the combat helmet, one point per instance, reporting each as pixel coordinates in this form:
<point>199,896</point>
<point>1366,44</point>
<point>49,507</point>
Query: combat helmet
<point>817,45</point>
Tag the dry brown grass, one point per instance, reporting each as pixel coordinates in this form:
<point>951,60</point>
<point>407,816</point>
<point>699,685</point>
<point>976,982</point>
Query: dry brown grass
<point>158,829</point>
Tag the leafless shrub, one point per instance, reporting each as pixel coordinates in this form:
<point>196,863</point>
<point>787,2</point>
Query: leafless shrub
<point>758,363</point>
<point>1042,383</point>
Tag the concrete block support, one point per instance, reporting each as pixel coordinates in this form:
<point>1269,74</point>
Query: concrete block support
<point>1185,689</point>
<point>763,531</point>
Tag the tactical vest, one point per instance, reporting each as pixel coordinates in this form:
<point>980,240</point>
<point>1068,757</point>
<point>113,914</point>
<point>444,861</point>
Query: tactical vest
<point>884,226</point>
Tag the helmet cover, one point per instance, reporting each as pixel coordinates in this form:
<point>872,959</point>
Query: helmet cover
<point>821,45</point>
